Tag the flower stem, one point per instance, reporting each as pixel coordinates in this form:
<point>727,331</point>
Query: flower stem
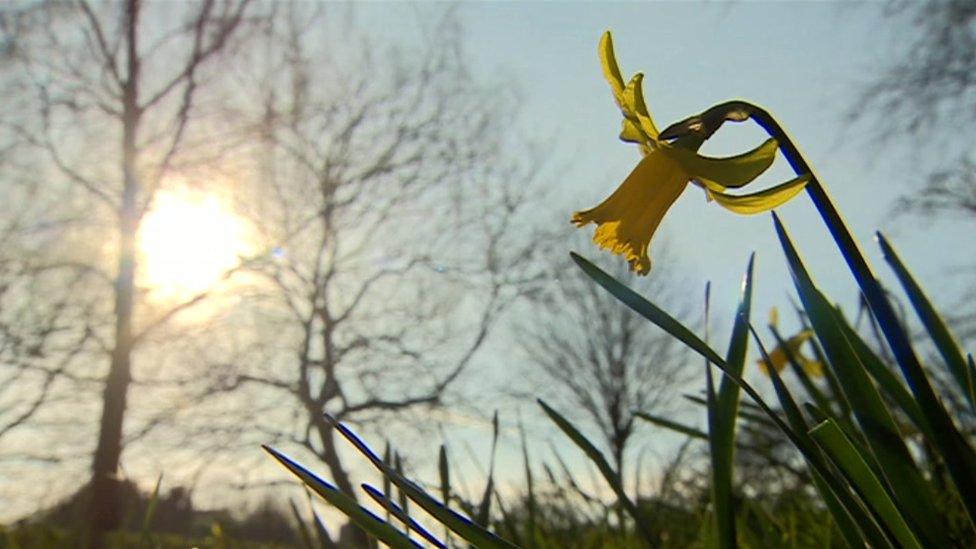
<point>958,454</point>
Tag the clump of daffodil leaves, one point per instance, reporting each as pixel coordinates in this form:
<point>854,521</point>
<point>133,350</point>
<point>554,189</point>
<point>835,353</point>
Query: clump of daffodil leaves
<point>627,219</point>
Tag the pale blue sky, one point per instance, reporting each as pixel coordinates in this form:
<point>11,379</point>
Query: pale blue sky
<point>807,62</point>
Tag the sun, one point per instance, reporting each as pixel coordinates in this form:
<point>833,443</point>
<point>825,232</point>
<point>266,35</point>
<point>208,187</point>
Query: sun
<point>188,241</point>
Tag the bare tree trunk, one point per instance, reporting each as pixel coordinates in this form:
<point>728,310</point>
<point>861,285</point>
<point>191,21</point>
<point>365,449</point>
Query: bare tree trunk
<point>106,506</point>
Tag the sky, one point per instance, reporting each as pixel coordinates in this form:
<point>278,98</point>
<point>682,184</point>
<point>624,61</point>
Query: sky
<point>806,62</point>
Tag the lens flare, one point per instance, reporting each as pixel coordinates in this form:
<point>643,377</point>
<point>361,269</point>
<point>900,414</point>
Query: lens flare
<point>188,242</point>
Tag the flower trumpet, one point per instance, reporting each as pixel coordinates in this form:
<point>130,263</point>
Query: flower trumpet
<point>627,219</point>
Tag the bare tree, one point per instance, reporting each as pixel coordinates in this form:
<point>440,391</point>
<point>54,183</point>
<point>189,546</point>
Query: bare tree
<point>398,226</point>
<point>929,95</point>
<point>601,359</point>
<point>109,97</point>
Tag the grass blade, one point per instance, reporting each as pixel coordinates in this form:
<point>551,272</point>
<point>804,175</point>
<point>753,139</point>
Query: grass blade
<point>722,416</point>
<point>321,532</point>
<point>460,525</point>
<point>145,537</point>
<point>852,463</point>
<point>647,309</point>
<point>611,476</point>
<point>672,425</point>
<point>944,340</point>
<point>886,442</point>
<point>370,523</point>
<point>302,527</point>
<point>401,514</point>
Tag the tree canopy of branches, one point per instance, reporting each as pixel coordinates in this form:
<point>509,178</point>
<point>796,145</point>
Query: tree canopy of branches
<point>398,228</point>
<point>105,114</point>
<point>930,92</point>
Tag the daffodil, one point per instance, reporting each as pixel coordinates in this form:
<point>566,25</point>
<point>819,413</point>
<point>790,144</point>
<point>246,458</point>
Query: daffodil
<point>779,358</point>
<point>627,219</point>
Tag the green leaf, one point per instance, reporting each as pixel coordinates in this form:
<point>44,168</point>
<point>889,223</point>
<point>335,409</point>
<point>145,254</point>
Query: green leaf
<point>843,507</point>
<point>852,463</point>
<point>401,514</point>
<point>445,474</point>
<point>672,425</point>
<point>457,523</point>
<point>531,504</point>
<point>885,440</point>
<point>885,378</point>
<point>145,537</point>
<point>647,309</point>
<point>321,532</point>
<point>611,476</point>
<point>484,508</point>
<point>971,377</point>
<point>722,416</point>
<point>944,340</point>
<point>363,518</point>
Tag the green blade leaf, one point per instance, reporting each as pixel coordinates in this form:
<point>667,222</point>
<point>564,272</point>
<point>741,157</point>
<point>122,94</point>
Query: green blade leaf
<point>944,340</point>
<point>457,523</point>
<point>363,518</point>
<point>672,425</point>
<point>852,463</point>
<point>401,514</point>
<point>321,532</point>
<point>886,442</point>
<point>647,309</point>
<point>302,527</point>
<point>722,416</point>
<point>596,456</point>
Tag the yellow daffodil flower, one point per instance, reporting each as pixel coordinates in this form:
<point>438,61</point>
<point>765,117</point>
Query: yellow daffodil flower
<point>778,358</point>
<point>627,219</point>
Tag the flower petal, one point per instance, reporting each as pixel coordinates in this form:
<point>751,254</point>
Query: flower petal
<point>813,368</point>
<point>611,71</point>
<point>627,219</point>
<point>762,201</point>
<point>629,97</point>
<point>640,108</point>
<point>632,133</point>
<point>730,172</point>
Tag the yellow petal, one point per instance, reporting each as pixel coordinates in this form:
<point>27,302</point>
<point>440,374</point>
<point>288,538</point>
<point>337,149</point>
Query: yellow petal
<point>797,341</point>
<point>762,201</point>
<point>627,219</point>
<point>730,172</point>
<point>773,316</point>
<point>629,97</point>
<point>632,133</point>
<point>640,109</point>
<point>813,368</point>
<point>610,69</point>
<point>777,358</point>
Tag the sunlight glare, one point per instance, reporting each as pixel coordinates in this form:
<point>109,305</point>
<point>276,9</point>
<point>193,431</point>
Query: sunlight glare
<point>188,242</point>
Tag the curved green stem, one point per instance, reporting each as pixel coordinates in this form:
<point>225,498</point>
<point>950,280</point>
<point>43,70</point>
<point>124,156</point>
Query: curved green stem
<point>959,455</point>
